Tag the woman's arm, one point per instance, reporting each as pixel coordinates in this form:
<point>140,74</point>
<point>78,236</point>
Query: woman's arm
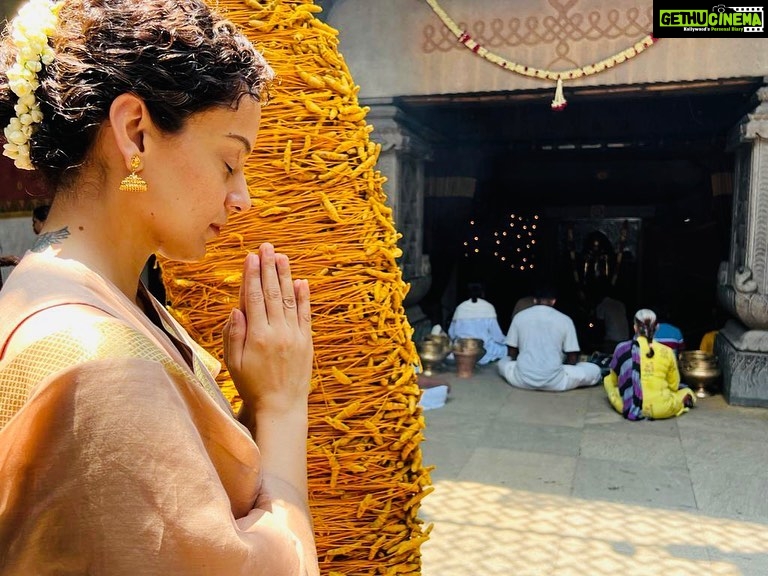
<point>123,454</point>
<point>268,351</point>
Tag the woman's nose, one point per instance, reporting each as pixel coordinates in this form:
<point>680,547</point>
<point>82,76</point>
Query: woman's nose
<point>239,200</point>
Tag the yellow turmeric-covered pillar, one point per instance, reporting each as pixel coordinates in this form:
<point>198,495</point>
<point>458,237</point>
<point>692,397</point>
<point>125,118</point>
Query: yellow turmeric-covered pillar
<point>318,197</point>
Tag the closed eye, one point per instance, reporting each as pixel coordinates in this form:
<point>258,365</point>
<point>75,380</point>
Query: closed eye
<point>229,168</point>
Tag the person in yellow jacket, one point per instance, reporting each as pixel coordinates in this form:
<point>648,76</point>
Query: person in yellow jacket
<point>708,342</point>
<point>644,381</point>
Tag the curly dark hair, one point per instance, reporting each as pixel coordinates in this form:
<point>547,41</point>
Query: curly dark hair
<point>179,56</point>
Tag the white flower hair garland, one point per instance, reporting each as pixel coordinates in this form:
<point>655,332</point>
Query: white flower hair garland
<point>30,30</point>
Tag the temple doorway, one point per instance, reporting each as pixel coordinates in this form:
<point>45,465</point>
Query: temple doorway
<point>630,183</point>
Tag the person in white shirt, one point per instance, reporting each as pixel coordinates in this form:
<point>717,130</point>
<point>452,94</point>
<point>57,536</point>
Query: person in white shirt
<point>543,349</point>
<point>476,318</point>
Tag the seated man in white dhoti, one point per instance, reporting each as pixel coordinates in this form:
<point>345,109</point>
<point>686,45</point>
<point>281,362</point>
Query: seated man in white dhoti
<point>543,349</point>
<point>476,318</point>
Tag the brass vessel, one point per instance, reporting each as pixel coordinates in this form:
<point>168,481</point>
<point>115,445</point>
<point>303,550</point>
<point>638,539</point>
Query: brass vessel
<point>441,339</point>
<point>468,345</point>
<point>700,371</point>
<point>467,352</point>
<point>432,351</point>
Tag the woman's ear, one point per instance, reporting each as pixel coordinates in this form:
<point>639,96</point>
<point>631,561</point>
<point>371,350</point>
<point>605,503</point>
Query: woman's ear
<point>129,121</point>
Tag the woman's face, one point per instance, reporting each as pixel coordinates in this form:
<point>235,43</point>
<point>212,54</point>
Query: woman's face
<point>196,181</point>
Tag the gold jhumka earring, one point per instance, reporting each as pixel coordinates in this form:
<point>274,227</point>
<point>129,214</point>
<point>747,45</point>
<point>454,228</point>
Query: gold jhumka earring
<point>133,182</point>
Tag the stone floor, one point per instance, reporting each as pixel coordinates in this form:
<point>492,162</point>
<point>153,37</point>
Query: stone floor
<point>557,484</point>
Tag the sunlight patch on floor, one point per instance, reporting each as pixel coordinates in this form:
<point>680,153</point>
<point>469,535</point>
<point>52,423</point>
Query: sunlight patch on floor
<point>493,530</point>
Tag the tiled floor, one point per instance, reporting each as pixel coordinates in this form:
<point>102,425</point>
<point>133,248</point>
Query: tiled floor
<point>557,484</point>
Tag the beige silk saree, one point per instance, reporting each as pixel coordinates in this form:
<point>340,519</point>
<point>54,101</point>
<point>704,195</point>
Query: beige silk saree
<point>118,453</point>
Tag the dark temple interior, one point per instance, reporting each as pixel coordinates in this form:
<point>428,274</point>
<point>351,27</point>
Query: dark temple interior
<point>644,172</point>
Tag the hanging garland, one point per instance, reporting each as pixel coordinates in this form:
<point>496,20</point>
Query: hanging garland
<point>559,102</point>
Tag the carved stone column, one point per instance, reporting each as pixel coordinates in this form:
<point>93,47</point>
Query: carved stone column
<point>742,345</point>
<point>403,154</point>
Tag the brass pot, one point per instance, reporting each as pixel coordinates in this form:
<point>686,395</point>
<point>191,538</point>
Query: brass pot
<point>468,345</point>
<point>467,351</point>
<point>700,371</point>
<point>432,353</point>
<point>697,356</point>
<point>442,340</point>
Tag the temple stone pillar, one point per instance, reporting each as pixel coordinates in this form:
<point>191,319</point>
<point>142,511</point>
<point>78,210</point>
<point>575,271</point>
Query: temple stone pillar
<point>742,345</point>
<point>402,158</point>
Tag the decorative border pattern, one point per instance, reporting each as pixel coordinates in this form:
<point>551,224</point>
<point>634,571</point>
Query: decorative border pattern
<point>568,25</point>
<point>559,29</point>
<point>555,28</point>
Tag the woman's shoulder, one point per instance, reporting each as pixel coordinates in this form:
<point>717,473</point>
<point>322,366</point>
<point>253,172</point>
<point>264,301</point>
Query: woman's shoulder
<point>47,297</point>
<point>58,341</point>
<point>83,331</point>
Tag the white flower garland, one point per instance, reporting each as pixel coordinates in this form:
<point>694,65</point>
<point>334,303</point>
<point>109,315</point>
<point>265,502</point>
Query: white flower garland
<point>559,101</point>
<point>30,30</point>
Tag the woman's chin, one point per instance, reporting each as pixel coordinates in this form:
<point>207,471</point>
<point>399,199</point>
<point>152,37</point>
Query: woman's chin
<point>183,255</point>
